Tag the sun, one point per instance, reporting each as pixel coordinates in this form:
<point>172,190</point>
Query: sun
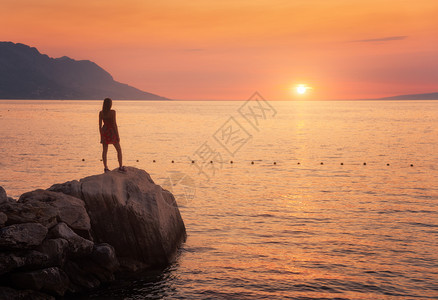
<point>301,89</point>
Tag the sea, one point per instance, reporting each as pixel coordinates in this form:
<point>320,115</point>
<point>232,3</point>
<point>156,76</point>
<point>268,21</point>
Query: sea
<point>280,199</point>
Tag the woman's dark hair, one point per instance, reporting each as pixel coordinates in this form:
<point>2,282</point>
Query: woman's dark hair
<point>107,103</point>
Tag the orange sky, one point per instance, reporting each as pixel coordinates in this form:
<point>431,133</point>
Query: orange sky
<point>223,49</point>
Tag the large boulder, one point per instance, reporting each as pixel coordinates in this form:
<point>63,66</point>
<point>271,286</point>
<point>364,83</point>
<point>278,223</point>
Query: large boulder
<point>22,236</point>
<point>129,211</point>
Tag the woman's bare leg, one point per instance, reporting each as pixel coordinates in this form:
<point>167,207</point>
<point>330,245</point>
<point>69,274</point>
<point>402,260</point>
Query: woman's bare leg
<point>104,155</point>
<point>119,153</point>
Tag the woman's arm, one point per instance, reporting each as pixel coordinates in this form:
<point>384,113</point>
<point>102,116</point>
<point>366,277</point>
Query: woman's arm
<point>100,122</point>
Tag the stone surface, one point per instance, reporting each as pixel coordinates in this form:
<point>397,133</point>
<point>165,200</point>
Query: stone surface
<point>77,246</point>
<point>35,211</point>
<point>8,293</point>
<point>10,261</point>
<point>51,280</point>
<point>81,279</point>
<point>55,249</point>
<point>3,219</point>
<point>104,255</point>
<point>90,272</point>
<point>69,210</point>
<point>72,188</point>
<point>134,215</point>
<point>22,236</point>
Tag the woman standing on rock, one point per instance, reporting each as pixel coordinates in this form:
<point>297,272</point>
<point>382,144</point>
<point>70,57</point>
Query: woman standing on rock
<point>109,133</point>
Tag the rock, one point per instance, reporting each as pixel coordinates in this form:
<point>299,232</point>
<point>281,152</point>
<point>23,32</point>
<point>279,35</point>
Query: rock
<point>22,236</point>
<point>90,272</point>
<point>134,215</point>
<point>77,246</point>
<point>51,280</point>
<point>9,293</point>
<point>47,242</point>
<point>22,259</point>
<point>80,278</point>
<point>30,212</point>
<point>3,219</point>
<point>69,210</point>
<point>104,255</point>
<point>72,188</point>
<point>55,249</point>
<point>3,196</point>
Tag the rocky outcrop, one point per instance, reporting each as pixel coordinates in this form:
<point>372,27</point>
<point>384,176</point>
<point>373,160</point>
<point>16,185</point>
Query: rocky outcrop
<point>77,235</point>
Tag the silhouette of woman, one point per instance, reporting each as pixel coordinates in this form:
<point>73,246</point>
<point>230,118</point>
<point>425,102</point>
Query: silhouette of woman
<point>109,133</point>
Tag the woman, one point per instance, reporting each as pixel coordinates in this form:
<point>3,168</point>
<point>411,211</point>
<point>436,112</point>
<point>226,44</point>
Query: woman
<point>109,133</point>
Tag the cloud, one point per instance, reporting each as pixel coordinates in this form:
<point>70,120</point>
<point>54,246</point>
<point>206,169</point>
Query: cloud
<point>383,39</point>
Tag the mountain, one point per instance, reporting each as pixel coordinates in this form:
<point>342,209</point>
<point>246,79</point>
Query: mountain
<point>25,73</point>
<point>428,96</point>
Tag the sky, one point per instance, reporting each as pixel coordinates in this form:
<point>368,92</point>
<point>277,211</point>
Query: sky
<point>227,49</point>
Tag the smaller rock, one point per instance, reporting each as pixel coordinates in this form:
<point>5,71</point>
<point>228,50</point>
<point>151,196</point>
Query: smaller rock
<point>105,256</point>
<point>3,219</point>
<point>77,246</point>
<point>55,249</point>
<point>81,279</point>
<point>36,211</point>
<point>51,280</point>
<point>22,259</point>
<point>71,188</point>
<point>10,293</point>
<point>22,236</point>
<point>69,210</point>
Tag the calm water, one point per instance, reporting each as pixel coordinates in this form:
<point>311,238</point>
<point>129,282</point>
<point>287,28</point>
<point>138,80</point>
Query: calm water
<point>294,229</point>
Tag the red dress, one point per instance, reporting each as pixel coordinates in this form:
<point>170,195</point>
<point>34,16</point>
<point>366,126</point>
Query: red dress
<point>108,134</point>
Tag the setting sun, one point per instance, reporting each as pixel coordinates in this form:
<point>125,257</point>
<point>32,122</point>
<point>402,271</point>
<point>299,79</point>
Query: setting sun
<point>301,89</point>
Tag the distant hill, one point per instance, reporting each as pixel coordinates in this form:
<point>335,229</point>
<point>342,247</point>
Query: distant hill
<point>25,73</point>
<point>429,96</point>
